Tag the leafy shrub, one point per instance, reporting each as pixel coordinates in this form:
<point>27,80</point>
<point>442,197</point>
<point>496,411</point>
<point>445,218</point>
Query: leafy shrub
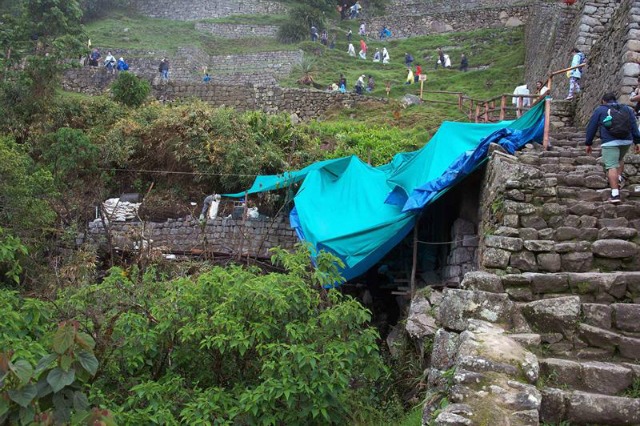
<point>299,22</point>
<point>269,349</point>
<point>130,89</point>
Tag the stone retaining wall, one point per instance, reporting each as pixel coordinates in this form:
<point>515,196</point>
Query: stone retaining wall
<point>219,236</point>
<point>237,30</point>
<point>187,65</point>
<point>426,7</point>
<point>193,10</point>
<point>411,25</point>
<point>549,214</point>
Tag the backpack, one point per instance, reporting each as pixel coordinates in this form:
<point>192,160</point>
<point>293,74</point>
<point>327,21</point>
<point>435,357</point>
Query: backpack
<point>617,122</point>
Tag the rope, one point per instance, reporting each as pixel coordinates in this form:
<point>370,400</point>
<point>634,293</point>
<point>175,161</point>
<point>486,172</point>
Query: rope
<point>447,242</point>
<point>176,173</point>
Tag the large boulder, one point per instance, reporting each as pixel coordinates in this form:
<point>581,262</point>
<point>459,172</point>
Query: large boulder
<point>458,306</point>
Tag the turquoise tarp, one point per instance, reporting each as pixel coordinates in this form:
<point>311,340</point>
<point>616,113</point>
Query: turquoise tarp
<point>360,212</point>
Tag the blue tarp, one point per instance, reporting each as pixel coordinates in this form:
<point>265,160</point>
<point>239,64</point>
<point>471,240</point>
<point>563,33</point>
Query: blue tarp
<point>360,212</point>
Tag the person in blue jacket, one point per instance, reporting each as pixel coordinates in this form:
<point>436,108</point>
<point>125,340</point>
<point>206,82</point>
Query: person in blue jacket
<point>614,147</point>
<point>122,65</point>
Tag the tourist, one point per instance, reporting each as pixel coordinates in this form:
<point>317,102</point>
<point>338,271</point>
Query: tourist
<point>314,33</point>
<point>377,57</point>
<point>349,35</point>
<point>408,60</point>
<point>94,57</point>
<point>541,88</point>
<point>464,63</point>
<point>371,84</point>
<point>355,10</point>
<point>520,101</point>
<point>634,97</point>
<point>343,11</point>
<point>122,65</point>
<point>324,38</point>
<point>363,29</point>
<point>418,73</point>
<point>575,74</point>
<point>447,61</point>
<point>385,33</point>
<point>363,50</point>
<point>618,130</point>
<point>360,84</point>
<point>351,50</point>
<point>163,68</point>
<point>385,56</point>
<point>342,81</point>
<point>206,78</point>
<point>110,63</point>
<point>440,58</point>
<point>409,76</point>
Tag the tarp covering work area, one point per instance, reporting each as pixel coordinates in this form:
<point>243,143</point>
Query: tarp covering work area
<point>359,212</point>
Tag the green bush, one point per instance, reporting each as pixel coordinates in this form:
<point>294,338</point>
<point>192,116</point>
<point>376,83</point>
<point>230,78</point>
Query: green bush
<point>130,90</point>
<point>299,22</point>
<point>269,349</point>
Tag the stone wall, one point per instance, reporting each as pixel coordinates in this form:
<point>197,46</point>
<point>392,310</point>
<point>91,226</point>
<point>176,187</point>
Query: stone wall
<point>604,29</point>
<point>431,22</point>
<point>193,10</point>
<point>613,61</point>
<point>187,65</point>
<point>219,236</point>
<point>463,255</point>
<point>237,30</point>
<point>545,212</point>
<point>426,7</point>
<point>306,103</point>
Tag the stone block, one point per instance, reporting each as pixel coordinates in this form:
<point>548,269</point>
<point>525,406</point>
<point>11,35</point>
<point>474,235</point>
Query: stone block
<point>420,323</point>
<point>550,262</point>
<point>613,222</point>
<point>617,233</point>
<point>606,378</point>
<point>552,408</point>
<point>597,315</point>
<point>627,317</point>
<point>484,281</point>
<point>559,314</point>
<point>614,248</point>
<point>519,294</point>
<point>533,221</point>
<point>560,372</point>
<point>506,231</point>
<point>495,258</point>
<point>591,408</point>
<point>564,233</point>
<point>598,337</point>
<point>546,233</point>
<point>583,208</point>
<point>458,306</point>
<point>577,261</point>
<point>528,233</point>
<point>549,283</point>
<point>539,245</point>
<point>524,261</point>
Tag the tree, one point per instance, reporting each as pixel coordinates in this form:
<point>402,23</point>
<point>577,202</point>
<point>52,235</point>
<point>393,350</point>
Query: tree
<point>130,90</point>
<point>35,48</point>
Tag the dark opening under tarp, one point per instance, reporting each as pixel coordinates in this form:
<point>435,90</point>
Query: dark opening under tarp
<point>359,212</point>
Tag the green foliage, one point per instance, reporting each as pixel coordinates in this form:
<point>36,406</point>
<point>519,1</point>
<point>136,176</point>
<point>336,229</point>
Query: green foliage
<point>633,391</point>
<point>24,189</point>
<point>130,89</point>
<point>95,9</point>
<point>52,392</point>
<point>269,348</point>
<point>40,42</point>
<point>10,250</point>
<point>299,22</point>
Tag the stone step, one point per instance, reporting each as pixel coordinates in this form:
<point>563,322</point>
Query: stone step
<point>576,407</point>
<point>606,378</point>
<point>620,290</point>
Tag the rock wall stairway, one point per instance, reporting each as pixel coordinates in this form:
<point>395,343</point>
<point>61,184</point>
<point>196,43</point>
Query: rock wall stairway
<point>562,278</point>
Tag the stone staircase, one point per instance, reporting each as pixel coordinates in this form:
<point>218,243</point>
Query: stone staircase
<point>561,280</point>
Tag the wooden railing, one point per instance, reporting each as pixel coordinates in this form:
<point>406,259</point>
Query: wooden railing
<point>499,108</point>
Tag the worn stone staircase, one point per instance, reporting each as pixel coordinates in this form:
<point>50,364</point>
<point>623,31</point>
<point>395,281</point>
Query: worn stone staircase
<point>560,284</point>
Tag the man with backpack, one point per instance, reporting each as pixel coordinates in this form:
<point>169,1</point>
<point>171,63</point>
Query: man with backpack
<point>618,130</point>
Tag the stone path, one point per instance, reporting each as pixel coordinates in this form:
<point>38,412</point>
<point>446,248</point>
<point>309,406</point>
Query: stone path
<point>557,305</point>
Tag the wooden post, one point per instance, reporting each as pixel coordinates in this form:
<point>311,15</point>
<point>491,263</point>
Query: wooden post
<point>486,112</point>
<point>547,118</point>
<point>519,107</point>
<point>421,88</point>
<point>414,267</point>
<point>477,112</point>
<point>460,101</point>
<point>503,106</point>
